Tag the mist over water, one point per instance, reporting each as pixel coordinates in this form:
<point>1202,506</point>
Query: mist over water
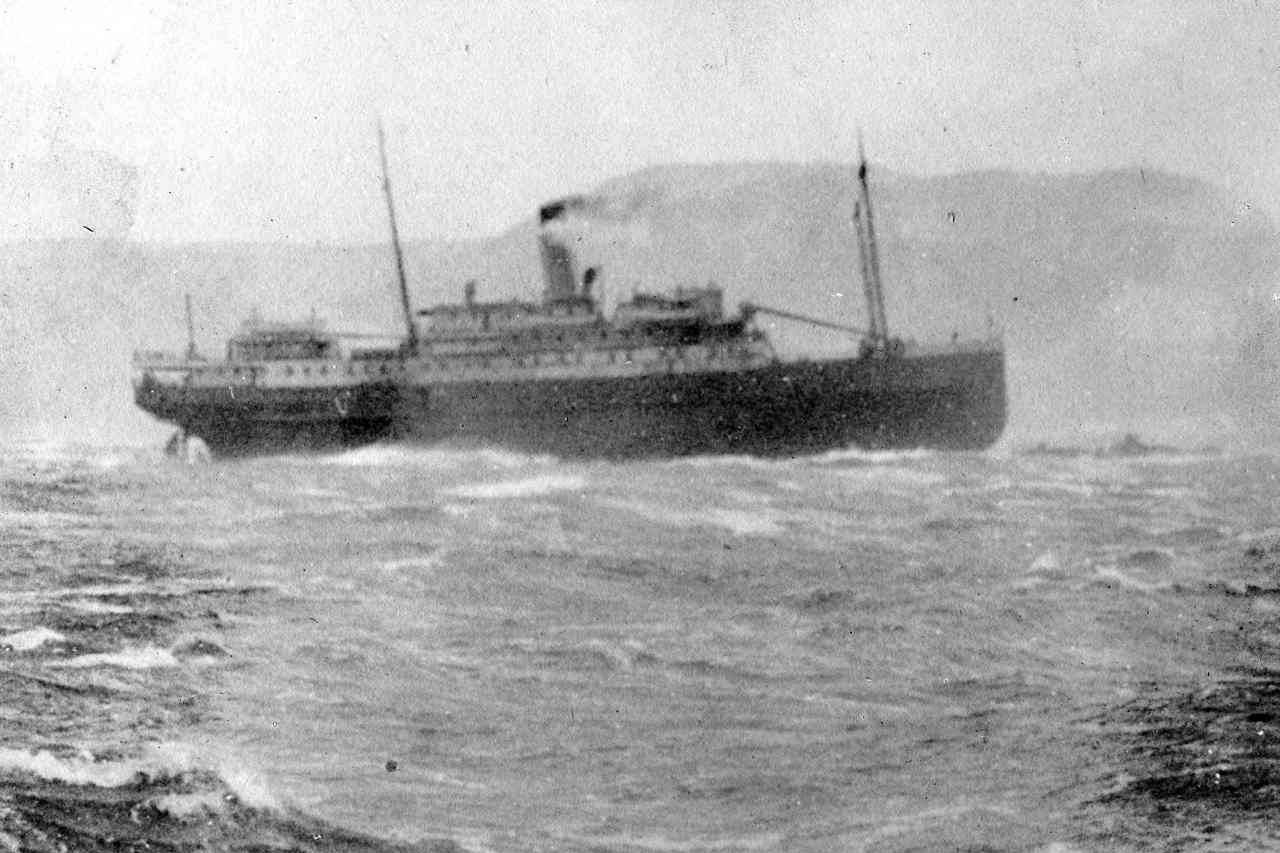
<point>1128,300</point>
<point>484,651</point>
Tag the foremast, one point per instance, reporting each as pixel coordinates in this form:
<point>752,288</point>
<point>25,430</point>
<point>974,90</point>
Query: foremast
<point>411,330</point>
<point>869,257</point>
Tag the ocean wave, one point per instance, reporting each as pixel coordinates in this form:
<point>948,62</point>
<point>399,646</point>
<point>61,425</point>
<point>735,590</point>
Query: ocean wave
<point>872,457</point>
<point>726,460</point>
<point>528,487</point>
<point>1203,758</point>
<point>842,456</point>
<point>151,762</point>
<point>84,768</point>
<point>742,522</point>
<point>624,655</point>
<point>200,651</point>
<point>878,475</point>
<point>430,562</point>
<point>168,796</point>
<point>758,521</point>
<point>30,639</point>
<point>88,605</point>
<point>1113,576</point>
<point>666,844</point>
<point>187,806</point>
<point>105,598</point>
<point>965,824</point>
<point>589,654</point>
<point>405,456</point>
<point>61,454</point>
<point>145,657</point>
<point>35,519</point>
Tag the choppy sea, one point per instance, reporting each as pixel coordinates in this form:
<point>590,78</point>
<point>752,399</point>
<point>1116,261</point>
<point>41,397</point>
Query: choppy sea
<point>391,649</point>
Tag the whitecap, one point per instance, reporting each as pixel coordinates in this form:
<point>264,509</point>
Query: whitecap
<point>528,487</point>
<point>881,475</point>
<point>15,519</point>
<point>401,456</point>
<point>185,806</point>
<point>156,760</point>
<point>1109,575</point>
<point>249,786</point>
<point>873,457</point>
<point>88,605</point>
<point>743,522</point>
<point>30,639</point>
<point>81,770</point>
<point>727,460</point>
<point>148,657</point>
<point>666,844</point>
<point>454,782</point>
<point>427,563</point>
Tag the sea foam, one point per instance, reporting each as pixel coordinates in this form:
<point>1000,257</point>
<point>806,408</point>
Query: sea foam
<point>147,657</point>
<point>528,487</point>
<point>30,639</point>
<point>157,760</point>
<point>401,456</point>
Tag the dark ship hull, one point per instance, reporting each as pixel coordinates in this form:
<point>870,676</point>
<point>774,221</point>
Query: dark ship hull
<point>235,420</point>
<point>950,401</point>
<point>947,401</point>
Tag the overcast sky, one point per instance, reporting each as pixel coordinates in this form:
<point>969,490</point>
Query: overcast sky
<point>249,120</point>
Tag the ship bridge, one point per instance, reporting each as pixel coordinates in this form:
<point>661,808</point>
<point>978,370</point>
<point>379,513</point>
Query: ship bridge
<point>261,341</point>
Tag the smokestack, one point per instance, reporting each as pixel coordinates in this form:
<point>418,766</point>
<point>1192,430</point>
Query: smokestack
<point>558,271</point>
<point>559,274</point>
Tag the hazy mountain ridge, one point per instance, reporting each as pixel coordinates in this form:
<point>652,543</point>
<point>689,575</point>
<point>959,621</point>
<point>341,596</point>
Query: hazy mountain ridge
<point>1132,297</point>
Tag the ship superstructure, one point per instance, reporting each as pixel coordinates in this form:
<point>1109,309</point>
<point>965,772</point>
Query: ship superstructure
<point>284,386</point>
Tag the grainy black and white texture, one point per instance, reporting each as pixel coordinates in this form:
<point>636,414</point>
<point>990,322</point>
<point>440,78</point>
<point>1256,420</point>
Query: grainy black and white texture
<point>440,650</point>
<point>428,649</point>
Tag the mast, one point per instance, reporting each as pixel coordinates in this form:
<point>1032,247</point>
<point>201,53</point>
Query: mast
<point>864,267</point>
<point>411,338</point>
<point>878,323</point>
<point>191,331</point>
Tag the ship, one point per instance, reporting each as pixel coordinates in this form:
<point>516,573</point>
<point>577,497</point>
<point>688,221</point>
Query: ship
<point>663,375</point>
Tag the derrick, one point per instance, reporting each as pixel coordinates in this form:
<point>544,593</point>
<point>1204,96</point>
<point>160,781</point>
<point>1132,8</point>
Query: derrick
<point>749,309</point>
